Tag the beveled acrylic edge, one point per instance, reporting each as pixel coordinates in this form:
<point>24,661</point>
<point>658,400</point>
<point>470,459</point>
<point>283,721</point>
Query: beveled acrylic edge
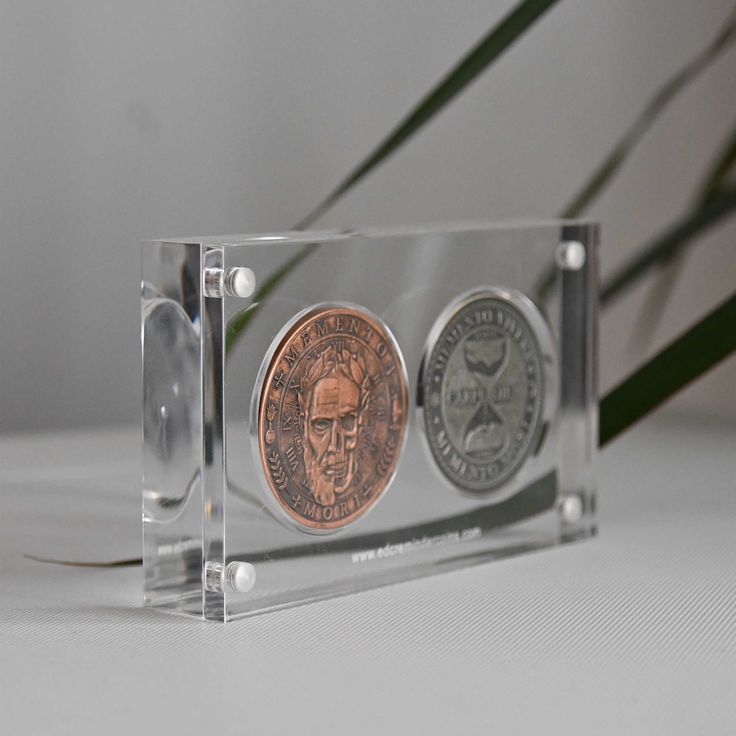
<point>297,237</point>
<point>277,510</point>
<point>550,365</point>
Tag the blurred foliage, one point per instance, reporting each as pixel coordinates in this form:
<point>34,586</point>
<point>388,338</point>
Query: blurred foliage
<point>240,321</point>
<point>716,201</point>
<point>477,60</point>
<point>669,244</point>
<point>714,184</point>
<point>604,173</point>
<point>695,352</point>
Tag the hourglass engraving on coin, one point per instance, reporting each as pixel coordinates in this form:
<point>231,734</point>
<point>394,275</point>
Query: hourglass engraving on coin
<point>332,415</point>
<point>482,388</point>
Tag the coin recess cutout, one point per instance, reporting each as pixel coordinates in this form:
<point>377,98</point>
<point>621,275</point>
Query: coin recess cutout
<point>332,411</point>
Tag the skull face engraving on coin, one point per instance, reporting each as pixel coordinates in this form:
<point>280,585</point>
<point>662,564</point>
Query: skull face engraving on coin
<point>482,389</point>
<point>332,416</point>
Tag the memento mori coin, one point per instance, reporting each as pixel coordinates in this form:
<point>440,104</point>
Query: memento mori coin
<point>332,416</point>
<point>482,388</point>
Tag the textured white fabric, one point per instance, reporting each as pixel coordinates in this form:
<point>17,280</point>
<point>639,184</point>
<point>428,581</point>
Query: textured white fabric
<point>633,632</point>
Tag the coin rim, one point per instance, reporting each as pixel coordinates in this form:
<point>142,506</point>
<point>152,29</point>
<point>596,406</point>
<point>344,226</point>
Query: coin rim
<point>282,512</point>
<point>549,364</point>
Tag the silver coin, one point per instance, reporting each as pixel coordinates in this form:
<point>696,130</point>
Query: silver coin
<point>482,389</point>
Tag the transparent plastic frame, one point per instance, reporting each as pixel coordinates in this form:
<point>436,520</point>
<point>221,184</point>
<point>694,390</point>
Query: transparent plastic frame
<point>216,545</point>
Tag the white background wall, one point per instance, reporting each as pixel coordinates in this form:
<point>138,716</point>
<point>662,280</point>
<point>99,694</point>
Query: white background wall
<point>127,120</point>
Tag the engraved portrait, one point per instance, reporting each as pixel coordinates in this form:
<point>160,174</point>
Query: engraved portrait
<point>332,416</point>
<point>333,398</point>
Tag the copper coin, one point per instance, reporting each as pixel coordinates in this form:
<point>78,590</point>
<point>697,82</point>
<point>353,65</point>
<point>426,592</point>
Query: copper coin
<point>332,416</point>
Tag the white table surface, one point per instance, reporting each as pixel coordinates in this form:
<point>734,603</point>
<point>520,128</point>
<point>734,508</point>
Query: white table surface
<point>633,632</point>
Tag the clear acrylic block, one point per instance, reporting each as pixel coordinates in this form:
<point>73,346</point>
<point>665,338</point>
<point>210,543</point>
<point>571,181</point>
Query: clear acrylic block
<point>325,412</point>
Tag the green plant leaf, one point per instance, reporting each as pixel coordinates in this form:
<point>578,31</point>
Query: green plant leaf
<point>669,243</point>
<point>657,104</point>
<point>654,108</point>
<point>498,40</point>
<point>129,562</point>
<point>723,167</point>
<point>237,324</point>
<point>687,358</point>
<point>671,267</point>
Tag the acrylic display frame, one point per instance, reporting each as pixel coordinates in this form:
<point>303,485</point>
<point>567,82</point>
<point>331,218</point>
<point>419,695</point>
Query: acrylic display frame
<point>212,312</point>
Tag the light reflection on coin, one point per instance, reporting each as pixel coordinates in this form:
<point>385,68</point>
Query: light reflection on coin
<point>332,416</point>
<point>482,389</point>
